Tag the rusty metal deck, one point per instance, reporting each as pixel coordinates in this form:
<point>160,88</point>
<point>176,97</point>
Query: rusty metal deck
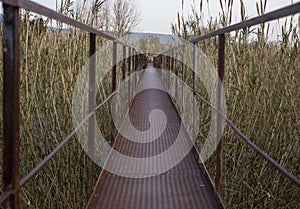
<point>184,186</point>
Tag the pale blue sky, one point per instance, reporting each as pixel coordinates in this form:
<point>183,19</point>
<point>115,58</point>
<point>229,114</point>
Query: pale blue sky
<point>157,15</point>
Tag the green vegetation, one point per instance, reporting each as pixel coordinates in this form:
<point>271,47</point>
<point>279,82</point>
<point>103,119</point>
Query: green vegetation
<point>262,95</point>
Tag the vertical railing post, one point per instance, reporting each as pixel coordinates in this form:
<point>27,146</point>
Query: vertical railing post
<point>172,68</point>
<point>176,73</point>
<point>195,89</point>
<point>129,73</point>
<point>219,163</point>
<point>171,61</point>
<point>11,103</point>
<point>165,62</point>
<point>132,72</point>
<point>161,61</point>
<point>169,71</point>
<point>91,122</point>
<point>135,69</point>
<point>123,78</point>
<point>183,78</point>
<point>172,57</point>
<point>164,67</point>
<point>124,63</point>
<point>132,60</point>
<point>136,60</point>
<point>113,88</point>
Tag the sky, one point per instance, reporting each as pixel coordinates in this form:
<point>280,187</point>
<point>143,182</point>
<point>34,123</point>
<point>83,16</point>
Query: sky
<point>157,15</point>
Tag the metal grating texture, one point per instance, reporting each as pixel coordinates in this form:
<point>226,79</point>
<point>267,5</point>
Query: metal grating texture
<point>184,186</point>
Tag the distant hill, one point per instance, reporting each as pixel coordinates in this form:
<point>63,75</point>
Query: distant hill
<point>164,38</point>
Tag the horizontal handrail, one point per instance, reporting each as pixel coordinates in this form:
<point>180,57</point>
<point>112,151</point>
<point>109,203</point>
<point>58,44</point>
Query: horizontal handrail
<point>106,100</point>
<point>11,23</point>
<point>54,152</point>
<point>277,14</point>
<point>42,10</point>
<point>5,195</point>
<point>280,13</point>
<point>62,144</point>
<point>250,143</point>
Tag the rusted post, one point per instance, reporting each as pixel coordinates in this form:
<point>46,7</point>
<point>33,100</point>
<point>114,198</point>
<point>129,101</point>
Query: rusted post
<point>129,73</point>
<point>163,58</point>
<point>11,103</point>
<point>183,78</point>
<point>163,66</point>
<point>113,85</point>
<point>166,68</point>
<point>123,79</point>
<point>134,70</point>
<point>166,62</point>
<point>137,68</point>
<point>173,60</point>
<point>169,71</point>
<point>92,97</point>
<point>220,154</point>
<point>135,60</point>
<point>176,73</point>
<point>132,61</point>
<point>195,89</point>
<point>124,63</point>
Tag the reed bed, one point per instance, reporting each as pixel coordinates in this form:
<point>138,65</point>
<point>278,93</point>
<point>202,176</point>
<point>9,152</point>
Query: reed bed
<point>262,98</point>
<point>262,94</point>
<point>50,60</point>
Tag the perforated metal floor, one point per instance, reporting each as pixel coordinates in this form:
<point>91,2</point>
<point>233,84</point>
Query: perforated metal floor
<point>184,186</point>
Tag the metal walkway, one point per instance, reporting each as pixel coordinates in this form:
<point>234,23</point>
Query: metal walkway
<point>186,185</point>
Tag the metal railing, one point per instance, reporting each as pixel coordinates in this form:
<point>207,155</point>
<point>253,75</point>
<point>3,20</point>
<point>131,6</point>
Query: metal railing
<point>12,180</point>
<point>168,63</point>
<point>11,98</point>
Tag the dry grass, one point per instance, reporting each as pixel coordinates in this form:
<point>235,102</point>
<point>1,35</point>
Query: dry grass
<point>49,66</point>
<point>262,95</point>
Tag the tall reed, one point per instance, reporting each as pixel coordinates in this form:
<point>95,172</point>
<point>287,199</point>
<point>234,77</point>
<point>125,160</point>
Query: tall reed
<point>50,61</point>
<point>262,95</point>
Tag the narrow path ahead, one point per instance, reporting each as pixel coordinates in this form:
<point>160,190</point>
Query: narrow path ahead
<point>184,186</point>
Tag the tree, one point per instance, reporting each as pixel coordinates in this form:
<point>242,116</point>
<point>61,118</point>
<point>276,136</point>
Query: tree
<point>125,17</point>
<point>119,16</point>
<point>100,14</point>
